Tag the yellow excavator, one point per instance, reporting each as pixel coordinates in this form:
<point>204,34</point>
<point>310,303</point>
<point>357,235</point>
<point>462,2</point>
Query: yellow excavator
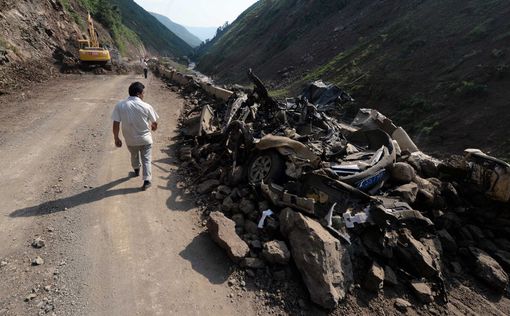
<point>90,53</point>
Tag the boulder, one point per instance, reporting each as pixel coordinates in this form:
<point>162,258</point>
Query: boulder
<point>276,251</point>
<point>408,192</point>
<point>488,269</point>
<point>222,231</point>
<point>416,255</point>
<point>322,260</point>
<point>422,291</point>
<point>207,186</point>
<point>402,172</point>
<point>374,278</point>
<point>447,242</point>
<point>238,219</point>
<point>390,278</point>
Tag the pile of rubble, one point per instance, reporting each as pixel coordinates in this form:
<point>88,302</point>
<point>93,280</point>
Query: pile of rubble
<point>349,200</point>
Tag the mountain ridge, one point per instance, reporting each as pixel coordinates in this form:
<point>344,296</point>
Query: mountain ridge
<point>178,30</point>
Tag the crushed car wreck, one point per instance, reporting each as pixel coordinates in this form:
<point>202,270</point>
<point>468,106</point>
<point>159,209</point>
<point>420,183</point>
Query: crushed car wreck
<point>389,206</point>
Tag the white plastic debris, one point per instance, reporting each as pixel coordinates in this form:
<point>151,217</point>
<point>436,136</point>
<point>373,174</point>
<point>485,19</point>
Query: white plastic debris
<point>265,214</point>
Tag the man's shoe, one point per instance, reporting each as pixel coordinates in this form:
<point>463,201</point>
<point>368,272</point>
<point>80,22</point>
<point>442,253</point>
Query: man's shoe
<point>135,173</point>
<point>146,185</point>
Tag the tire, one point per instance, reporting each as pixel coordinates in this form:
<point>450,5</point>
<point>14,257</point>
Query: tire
<point>266,166</point>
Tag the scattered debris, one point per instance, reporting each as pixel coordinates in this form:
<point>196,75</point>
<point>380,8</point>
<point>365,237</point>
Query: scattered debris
<point>348,193</point>
<point>37,261</point>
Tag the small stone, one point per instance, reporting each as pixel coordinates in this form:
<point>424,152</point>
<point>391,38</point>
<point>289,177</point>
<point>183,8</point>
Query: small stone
<point>30,297</point>
<point>238,219</point>
<point>457,268</point>
<point>47,288</point>
<point>256,244</point>
<point>402,305</point>
<point>251,228</point>
<point>3,264</point>
<point>250,273</point>
<point>276,251</point>
<point>38,243</point>
<point>38,261</point>
<point>246,206</point>
<point>252,263</point>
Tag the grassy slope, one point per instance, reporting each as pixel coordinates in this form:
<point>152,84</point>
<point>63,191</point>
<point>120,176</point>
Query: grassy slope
<point>178,30</point>
<point>439,68</point>
<point>155,36</point>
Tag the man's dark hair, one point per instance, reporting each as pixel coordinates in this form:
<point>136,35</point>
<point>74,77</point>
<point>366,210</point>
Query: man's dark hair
<point>135,89</point>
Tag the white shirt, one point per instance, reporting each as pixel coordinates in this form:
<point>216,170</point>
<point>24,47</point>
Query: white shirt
<point>135,117</point>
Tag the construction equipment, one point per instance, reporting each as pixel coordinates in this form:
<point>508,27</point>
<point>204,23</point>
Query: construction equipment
<point>90,53</point>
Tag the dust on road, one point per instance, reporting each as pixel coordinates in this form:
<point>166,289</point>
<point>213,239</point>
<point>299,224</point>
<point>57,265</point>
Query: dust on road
<point>110,248</point>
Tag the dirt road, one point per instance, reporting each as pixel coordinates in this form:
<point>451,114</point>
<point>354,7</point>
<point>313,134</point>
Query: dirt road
<point>110,248</point>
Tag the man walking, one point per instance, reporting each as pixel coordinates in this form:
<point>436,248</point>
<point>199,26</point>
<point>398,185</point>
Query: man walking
<point>145,68</point>
<point>138,119</point>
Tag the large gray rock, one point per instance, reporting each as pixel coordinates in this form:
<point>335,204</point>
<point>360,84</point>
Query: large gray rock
<point>448,242</point>
<point>276,251</point>
<point>323,261</point>
<point>488,269</point>
<point>416,255</point>
<point>223,232</point>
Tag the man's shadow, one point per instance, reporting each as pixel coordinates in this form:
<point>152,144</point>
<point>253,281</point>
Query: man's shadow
<point>86,197</point>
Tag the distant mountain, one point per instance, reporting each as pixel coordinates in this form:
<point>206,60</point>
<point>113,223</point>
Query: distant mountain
<point>203,32</point>
<point>157,38</point>
<point>178,30</point>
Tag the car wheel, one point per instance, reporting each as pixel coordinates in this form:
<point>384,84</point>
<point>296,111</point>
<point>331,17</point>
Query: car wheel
<point>267,166</point>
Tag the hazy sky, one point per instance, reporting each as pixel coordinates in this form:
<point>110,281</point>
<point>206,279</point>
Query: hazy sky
<point>198,12</point>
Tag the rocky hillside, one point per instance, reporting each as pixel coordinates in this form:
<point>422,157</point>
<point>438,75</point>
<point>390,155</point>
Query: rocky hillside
<point>439,68</point>
<point>36,35</point>
<point>178,30</point>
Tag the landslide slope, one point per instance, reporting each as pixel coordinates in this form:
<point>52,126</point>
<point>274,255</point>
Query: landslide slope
<point>439,68</point>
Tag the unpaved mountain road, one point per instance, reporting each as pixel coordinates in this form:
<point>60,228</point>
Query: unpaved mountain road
<point>111,249</point>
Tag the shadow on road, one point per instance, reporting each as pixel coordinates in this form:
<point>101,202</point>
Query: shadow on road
<point>207,259</point>
<point>176,201</point>
<point>86,197</point>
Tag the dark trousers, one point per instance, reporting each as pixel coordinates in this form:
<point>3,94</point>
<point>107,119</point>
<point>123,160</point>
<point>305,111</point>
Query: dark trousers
<point>145,71</point>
